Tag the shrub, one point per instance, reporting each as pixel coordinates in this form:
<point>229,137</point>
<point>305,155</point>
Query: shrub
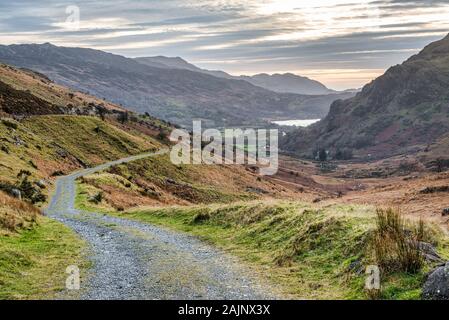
<point>57,173</point>
<point>97,198</point>
<point>16,214</point>
<point>10,123</point>
<point>344,154</point>
<point>163,136</point>
<point>29,192</point>
<point>396,247</point>
<point>441,165</point>
<point>321,155</point>
<point>200,217</point>
<point>123,117</point>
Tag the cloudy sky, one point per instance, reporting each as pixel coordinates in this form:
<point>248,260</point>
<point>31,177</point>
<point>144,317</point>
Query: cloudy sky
<point>342,43</point>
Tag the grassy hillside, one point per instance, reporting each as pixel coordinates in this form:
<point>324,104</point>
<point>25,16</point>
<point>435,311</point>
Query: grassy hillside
<point>45,146</point>
<point>156,181</point>
<point>47,130</point>
<point>313,252</point>
<point>26,92</point>
<point>34,252</point>
<point>175,95</point>
<point>403,111</point>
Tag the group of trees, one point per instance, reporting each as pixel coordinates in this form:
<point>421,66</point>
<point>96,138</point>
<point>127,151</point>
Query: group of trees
<point>340,154</point>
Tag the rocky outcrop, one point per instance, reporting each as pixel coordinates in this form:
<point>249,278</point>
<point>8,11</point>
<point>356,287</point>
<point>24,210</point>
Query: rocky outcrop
<point>436,286</point>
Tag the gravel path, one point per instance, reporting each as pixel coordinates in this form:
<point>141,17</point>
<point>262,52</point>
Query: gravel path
<point>132,260</point>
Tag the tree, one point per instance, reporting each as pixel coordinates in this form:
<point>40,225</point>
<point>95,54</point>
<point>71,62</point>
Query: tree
<point>101,111</point>
<point>343,154</point>
<point>322,155</point>
<point>123,117</point>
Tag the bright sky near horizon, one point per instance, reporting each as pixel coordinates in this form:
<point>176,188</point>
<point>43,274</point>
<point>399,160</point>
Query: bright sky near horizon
<point>342,43</point>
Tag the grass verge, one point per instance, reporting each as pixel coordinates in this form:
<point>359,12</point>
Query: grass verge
<point>311,252</point>
<point>33,262</point>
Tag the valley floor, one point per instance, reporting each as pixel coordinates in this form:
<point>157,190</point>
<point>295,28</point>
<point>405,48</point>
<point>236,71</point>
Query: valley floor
<point>397,182</point>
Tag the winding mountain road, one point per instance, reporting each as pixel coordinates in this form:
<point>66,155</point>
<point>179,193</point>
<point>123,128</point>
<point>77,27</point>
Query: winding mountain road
<point>133,260</point>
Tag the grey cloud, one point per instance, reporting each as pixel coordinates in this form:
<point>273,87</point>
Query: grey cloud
<point>235,23</point>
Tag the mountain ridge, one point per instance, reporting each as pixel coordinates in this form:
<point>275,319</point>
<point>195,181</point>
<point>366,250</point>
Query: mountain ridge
<point>281,83</point>
<point>178,96</point>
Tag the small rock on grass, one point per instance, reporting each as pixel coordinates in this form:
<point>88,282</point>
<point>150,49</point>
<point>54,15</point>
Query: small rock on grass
<point>445,212</point>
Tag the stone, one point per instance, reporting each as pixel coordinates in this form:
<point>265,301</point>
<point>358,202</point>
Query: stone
<point>445,212</point>
<point>41,184</point>
<point>171,181</point>
<point>356,267</point>
<point>429,252</point>
<point>17,193</point>
<point>436,286</point>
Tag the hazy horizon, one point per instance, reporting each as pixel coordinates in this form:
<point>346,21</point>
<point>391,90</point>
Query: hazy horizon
<point>341,43</point>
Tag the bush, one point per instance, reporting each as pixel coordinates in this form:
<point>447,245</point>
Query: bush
<point>97,198</point>
<point>29,192</point>
<point>163,136</point>
<point>57,173</point>
<point>321,155</point>
<point>396,247</point>
<point>123,117</point>
<point>10,123</point>
<point>343,154</point>
<point>26,188</point>
<point>16,214</point>
<point>201,217</point>
<point>441,165</point>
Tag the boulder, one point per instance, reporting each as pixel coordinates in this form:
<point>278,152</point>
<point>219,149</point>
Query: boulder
<point>429,252</point>
<point>170,181</point>
<point>436,286</point>
<point>356,267</point>
<point>17,193</point>
<point>445,212</point>
<point>41,184</point>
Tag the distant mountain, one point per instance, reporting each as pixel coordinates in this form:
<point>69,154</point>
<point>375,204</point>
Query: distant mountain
<point>282,83</point>
<point>405,110</point>
<point>175,95</point>
<point>168,62</point>
<point>288,82</point>
<point>179,63</point>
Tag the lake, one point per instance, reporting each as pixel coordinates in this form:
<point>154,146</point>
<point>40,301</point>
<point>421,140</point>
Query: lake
<point>296,123</point>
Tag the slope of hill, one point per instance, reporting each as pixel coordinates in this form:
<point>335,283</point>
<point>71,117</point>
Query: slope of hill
<point>46,128</point>
<point>404,110</point>
<point>158,182</point>
<point>282,83</point>
<point>168,63</point>
<point>175,95</point>
<point>25,92</point>
<point>37,145</point>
